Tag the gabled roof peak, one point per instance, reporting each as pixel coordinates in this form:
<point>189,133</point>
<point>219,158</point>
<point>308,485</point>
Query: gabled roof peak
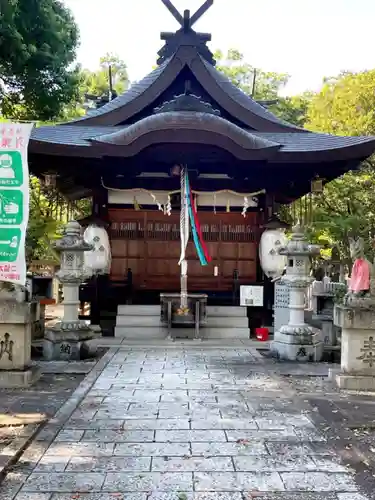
<point>186,36</point>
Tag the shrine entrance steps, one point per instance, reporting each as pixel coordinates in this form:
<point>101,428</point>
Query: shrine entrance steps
<point>143,322</point>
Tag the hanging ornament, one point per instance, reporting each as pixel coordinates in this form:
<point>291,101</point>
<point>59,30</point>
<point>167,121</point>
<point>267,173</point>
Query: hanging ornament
<point>228,205</point>
<point>245,206</point>
<point>136,204</point>
<point>169,206</point>
<point>159,205</point>
<point>215,203</point>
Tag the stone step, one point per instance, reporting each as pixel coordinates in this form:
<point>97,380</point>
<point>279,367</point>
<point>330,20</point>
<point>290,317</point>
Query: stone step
<point>138,320</point>
<point>134,332</point>
<point>228,322</point>
<point>161,332</point>
<point>135,310</point>
<point>225,333</point>
<point>225,311</point>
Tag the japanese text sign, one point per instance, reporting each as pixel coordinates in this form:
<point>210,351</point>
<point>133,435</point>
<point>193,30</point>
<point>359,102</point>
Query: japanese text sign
<point>14,200</point>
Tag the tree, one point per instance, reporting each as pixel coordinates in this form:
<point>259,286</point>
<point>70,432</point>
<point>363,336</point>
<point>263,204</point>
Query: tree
<point>267,84</point>
<point>49,212</point>
<point>38,39</point>
<point>346,209</point>
<point>94,86</point>
<point>293,109</point>
<point>345,105</point>
<point>96,83</point>
<point>263,86</point>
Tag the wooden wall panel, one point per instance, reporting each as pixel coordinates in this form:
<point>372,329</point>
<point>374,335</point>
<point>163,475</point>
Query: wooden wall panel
<point>149,243</point>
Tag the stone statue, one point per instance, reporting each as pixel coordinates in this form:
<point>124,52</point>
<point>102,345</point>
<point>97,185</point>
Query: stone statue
<point>360,288</point>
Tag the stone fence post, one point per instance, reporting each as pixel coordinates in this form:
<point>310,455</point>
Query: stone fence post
<point>357,345</point>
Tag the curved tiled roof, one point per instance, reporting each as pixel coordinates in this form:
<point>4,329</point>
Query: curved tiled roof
<point>312,141</point>
<point>187,120</point>
<point>290,142</point>
<point>70,135</point>
<point>128,96</point>
<point>244,100</point>
<point>231,98</point>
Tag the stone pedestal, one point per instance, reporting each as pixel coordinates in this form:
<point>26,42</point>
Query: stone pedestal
<point>357,346</point>
<point>65,342</point>
<point>15,344</point>
<point>302,343</point>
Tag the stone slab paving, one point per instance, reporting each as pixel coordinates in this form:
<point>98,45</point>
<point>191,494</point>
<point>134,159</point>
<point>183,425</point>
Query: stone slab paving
<point>184,424</point>
<point>22,411</point>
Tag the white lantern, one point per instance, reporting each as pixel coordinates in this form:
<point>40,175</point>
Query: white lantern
<point>273,264</point>
<point>98,260</point>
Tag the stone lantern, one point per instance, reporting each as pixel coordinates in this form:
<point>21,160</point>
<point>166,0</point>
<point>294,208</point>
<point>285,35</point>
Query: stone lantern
<point>297,340</point>
<point>65,340</point>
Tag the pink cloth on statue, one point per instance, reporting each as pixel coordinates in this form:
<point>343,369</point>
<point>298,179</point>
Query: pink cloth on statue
<point>360,278</point>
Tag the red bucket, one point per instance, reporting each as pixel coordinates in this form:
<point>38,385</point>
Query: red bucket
<point>262,334</point>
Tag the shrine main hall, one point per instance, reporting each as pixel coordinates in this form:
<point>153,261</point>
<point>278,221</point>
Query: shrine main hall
<point>243,162</point>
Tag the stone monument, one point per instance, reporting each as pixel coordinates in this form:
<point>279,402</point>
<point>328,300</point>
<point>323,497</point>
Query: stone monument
<point>16,317</point>
<point>356,317</point>
<point>71,337</point>
<point>298,341</point>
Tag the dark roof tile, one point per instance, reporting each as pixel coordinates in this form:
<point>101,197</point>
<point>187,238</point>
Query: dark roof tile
<point>129,95</point>
<point>312,141</point>
<point>69,134</point>
<point>243,99</point>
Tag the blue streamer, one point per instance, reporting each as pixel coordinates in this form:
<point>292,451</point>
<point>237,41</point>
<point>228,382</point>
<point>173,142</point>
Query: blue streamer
<point>197,243</point>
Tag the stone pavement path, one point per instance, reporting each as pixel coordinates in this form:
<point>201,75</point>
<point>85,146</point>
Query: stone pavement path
<point>187,423</point>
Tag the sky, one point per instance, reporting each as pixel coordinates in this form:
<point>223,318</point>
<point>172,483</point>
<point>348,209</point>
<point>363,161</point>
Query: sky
<point>308,39</point>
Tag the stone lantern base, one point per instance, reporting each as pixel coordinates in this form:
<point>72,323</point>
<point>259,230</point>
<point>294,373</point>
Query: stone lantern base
<point>302,343</point>
<point>357,345</point>
<point>70,341</point>
<point>15,344</point>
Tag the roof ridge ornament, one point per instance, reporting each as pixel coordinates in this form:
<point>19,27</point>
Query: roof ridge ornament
<point>186,35</point>
<point>187,102</point>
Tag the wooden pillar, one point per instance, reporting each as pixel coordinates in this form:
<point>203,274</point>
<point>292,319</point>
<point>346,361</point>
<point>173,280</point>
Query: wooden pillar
<point>268,287</point>
<point>99,210</point>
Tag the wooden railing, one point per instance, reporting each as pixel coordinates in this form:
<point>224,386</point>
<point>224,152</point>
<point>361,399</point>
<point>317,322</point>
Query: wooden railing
<point>169,231</point>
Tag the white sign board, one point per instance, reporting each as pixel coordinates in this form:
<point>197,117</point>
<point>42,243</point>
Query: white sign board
<point>14,200</point>
<point>251,295</point>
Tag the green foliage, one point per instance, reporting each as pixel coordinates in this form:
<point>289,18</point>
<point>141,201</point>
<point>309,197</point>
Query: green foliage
<point>49,212</point>
<point>38,39</point>
<point>346,209</point>
<point>345,105</point>
<point>233,65</point>
<point>263,86</point>
<point>43,226</point>
<point>293,109</point>
<point>96,83</point>
<point>94,86</point>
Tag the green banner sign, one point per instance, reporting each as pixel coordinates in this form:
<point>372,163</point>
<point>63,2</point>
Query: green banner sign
<point>14,200</point>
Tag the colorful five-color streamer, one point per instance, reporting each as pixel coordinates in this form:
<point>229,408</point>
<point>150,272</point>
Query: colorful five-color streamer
<point>199,243</point>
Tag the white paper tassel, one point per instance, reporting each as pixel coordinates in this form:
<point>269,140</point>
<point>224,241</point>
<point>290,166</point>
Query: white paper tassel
<point>157,203</point>
<point>245,206</point>
<point>169,206</point>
